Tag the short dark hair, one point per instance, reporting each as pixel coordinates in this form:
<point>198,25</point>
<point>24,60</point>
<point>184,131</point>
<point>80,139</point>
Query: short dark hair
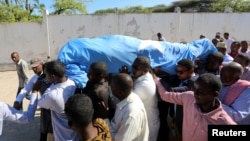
<point>244,41</point>
<point>237,43</point>
<point>123,81</point>
<point>202,36</point>
<point>233,67</point>
<point>144,62</point>
<point>79,109</point>
<point>55,67</point>
<point>217,56</point>
<point>210,80</point>
<point>159,34</point>
<point>244,57</point>
<point>99,68</point>
<point>187,63</point>
<point>14,53</point>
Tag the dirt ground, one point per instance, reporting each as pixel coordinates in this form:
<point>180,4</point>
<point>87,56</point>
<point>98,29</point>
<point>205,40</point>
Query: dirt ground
<point>14,131</point>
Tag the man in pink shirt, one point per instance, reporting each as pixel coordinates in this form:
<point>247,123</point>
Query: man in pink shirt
<point>201,107</point>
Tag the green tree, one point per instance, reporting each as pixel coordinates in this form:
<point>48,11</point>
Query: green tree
<point>20,10</point>
<point>236,5</point>
<point>68,7</point>
<point>210,5</point>
<point>36,5</point>
<point>32,10</point>
<point>133,9</point>
<point>159,8</point>
<point>105,11</point>
<point>6,15</point>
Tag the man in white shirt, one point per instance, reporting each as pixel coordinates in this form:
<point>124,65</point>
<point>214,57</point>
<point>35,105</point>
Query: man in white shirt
<point>11,114</point>
<point>145,88</point>
<point>54,98</point>
<point>228,41</point>
<point>130,120</point>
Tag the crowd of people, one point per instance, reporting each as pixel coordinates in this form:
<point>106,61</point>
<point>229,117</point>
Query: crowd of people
<point>136,104</point>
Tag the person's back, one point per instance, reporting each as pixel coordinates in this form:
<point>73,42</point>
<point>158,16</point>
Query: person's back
<point>200,107</point>
<point>130,119</point>
<point>54,98</point>
<point>145,88</point>
<point>97,88</point>
<point>235,93</point>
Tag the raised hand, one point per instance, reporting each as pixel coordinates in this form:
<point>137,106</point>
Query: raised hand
<point>17,105</point>
<point>124,69</point>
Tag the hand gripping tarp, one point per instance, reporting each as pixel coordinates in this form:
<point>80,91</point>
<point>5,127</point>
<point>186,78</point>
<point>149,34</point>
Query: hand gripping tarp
<point>117,50</point>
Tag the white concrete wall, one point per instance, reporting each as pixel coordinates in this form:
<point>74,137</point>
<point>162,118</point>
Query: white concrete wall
<point>46,38</point>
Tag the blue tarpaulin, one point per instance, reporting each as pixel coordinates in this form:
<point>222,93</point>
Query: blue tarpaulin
<point>117,50</point>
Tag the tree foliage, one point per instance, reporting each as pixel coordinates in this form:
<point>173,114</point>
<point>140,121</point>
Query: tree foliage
<point>20,10</point>
<point>159,8</point>
<point>133,9</point>
<point>6,15</point>
<point>32,10</point>
<point>106,11</point>
<point>236,5</point>
<point>69,7</point>
<point>188,6</point>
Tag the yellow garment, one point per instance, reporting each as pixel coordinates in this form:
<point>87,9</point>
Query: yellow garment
<point>103,131</point>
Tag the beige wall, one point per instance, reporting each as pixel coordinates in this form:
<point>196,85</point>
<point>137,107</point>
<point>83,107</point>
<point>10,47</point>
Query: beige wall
<point>46,38</point>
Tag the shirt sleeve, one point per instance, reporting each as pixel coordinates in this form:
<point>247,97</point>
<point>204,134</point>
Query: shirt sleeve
<point>240,109</point>
<point>11,114</point>
<point>172,97</point>
<point>27,88</point>
<point>45,101</point>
